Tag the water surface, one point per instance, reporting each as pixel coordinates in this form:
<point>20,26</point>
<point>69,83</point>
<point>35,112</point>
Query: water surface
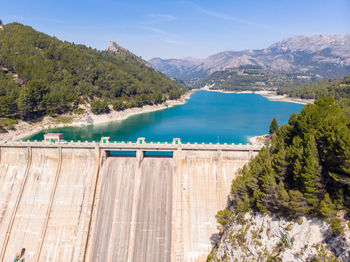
<point>206,117</point>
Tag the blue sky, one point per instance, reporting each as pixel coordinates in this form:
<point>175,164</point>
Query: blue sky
<point>174,29</point>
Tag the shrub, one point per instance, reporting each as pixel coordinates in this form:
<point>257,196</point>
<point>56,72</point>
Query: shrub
<point>337,227</point>
<point>224,217</point>
<point>299,220</point>
<point>7,124</point>
<point>79,111</point>
<point>119,105</point>
<point>99,107</point>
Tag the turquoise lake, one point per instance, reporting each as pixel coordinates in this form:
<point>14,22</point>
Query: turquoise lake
<point>206,117</point>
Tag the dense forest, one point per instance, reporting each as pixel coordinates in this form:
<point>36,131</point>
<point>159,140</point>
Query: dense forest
<point>337,88</point>
<point>41,75</point>
<point>304,171</point>
<point>249,77</point>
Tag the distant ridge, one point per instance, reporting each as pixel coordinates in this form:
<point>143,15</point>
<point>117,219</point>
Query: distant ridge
<point>320,56</point>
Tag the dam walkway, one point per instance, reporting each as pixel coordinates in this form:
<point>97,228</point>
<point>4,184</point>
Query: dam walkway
<point>140,144</point>
<point>77,201</point>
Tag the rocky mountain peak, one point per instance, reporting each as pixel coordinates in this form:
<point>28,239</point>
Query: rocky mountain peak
<point>125,54</point>
<point>115,48</point>
<point>315,43</point>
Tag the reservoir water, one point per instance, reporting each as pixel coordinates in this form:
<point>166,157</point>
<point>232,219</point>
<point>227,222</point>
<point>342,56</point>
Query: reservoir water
<point>206,117</point>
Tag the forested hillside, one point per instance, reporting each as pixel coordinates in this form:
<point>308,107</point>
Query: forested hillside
<point>337,88</point>
<point>305,171</point>
<point>41,75</point>
<point>249,77</point>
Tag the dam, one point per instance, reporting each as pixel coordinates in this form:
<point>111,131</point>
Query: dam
<point>114,201</point>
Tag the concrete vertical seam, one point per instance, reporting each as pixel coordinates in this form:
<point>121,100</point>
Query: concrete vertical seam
<point>137,186</point>
<point>97,175</point>
<point>19,197</point>
<point>52,197</point>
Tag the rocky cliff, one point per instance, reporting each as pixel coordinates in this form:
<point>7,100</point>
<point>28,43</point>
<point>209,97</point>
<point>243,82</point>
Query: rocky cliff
<point>265,238</point>
<point>125,54</point>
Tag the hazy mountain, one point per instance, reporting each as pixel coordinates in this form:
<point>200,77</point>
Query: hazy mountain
<point>320,56</point>
<point>179,68</point>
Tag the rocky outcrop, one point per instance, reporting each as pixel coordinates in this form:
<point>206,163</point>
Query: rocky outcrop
<point>262,237</point>
<point>125,54</point>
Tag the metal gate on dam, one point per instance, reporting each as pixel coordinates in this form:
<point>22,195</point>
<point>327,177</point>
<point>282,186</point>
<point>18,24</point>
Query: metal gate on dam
<point>120,201</point>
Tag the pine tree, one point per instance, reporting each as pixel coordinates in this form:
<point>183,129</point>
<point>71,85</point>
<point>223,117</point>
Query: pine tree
<point>282,199</point>
<point>279,162</point>
<point>274,126</point>
<point>327,208</point>
<point>25,104</point>
<point>265,196</point>
<point>311,172</point>
<point>298,205</point>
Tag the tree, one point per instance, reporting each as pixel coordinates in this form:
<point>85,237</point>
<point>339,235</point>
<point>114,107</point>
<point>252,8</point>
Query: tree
<point>99,107</point>
<point>0,22</point>
<point>118,105</point>
<point>25,104</point>
<point>327,208</point>
<point>311,172</point>
<point>298,204</point>
<point>8,106</point>
<point>274,126</point>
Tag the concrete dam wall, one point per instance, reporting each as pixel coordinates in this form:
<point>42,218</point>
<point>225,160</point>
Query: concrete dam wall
<point>76,203</point>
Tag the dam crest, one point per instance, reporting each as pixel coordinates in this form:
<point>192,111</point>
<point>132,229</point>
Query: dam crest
<point>114,201</point>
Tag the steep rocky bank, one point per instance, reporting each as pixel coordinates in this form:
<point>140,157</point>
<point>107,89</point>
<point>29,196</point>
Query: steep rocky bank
<point>265,238</point>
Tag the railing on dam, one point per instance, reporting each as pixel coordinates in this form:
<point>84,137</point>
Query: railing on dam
<point>140,144</point>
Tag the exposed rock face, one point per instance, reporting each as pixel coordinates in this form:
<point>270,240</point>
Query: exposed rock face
<point>324,55</point>
<point>125,54</point>
<point>263,237</point>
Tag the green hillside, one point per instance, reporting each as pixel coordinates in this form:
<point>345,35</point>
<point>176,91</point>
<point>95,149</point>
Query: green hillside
<point>338,88</point>
<point>41,75</point>
<point>249,77</point>
<point>304,172</point>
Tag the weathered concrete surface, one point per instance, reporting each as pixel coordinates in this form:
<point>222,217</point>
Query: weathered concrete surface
<point>70,213</point>
<point>134,213</point>
<point>12,169</point>
<point>67,204</point>
<point>53,190</point>
<point>201,185</point>
<point>30,216</point>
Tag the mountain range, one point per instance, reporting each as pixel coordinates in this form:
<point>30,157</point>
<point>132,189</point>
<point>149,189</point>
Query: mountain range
<point>317,56</point>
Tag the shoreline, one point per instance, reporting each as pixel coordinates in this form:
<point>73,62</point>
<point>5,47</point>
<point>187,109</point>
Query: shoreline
<point>26,129</point>
<point>269,94</point>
